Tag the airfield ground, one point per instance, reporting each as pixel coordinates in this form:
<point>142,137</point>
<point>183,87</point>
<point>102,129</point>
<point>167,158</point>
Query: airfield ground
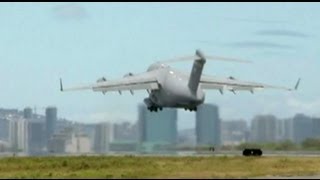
<point>157,167</point>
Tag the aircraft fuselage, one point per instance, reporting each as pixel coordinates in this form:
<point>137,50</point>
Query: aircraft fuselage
<point>174,91</point>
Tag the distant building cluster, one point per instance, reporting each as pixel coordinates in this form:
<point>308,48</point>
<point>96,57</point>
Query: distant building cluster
<point>33,134</point>
<point>267,128</point>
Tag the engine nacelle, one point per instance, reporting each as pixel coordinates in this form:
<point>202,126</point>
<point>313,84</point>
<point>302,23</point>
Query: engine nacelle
<point>129,74</point>
<point>103,79</point>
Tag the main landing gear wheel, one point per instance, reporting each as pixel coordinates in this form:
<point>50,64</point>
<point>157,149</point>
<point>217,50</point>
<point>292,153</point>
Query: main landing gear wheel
<point>154,108</point>
<point>252,152</point>
<point>191,109</point>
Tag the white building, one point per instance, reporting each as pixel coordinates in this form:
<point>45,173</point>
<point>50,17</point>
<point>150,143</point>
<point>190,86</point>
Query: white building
<point>79,143</point>
<point>68,141</point>
<point>103,136</point>
<point>18,134</point>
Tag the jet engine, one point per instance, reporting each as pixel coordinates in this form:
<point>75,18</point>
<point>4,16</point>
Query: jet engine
<point>129,74</point>
<point>103,79</point>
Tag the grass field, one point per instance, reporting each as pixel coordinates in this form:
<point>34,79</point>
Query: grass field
<point>156,167</point>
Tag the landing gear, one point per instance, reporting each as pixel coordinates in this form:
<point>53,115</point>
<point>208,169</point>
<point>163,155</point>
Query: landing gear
<point>252,152</point>
<point>191,109</point>
<point>154,108</point>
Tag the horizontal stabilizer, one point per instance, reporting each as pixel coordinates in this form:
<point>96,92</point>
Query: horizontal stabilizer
<point>200,55</point>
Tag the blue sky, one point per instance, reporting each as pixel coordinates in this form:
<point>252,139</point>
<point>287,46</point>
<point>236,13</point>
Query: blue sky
<point>80,42</point>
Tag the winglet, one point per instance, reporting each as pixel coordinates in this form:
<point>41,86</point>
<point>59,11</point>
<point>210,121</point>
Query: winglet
<point>297,84</point>
<point>61,87</point>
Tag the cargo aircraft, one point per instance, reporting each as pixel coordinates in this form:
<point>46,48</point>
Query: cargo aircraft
<point>170,88</point>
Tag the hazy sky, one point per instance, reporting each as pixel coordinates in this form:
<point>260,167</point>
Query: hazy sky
<point>80,42</point>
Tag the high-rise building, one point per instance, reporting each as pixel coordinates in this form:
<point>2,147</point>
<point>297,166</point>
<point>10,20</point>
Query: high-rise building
<point>89,130</point>
<point>264,128</point>
<point>157,127</point>
<point>4,129</point>
<point>62,141</point>
<point>316,127</point>
<point>233,132</point>
<point>280,129</point>
<point>61,124</point>
<point>6,112</point>
<point>103,136</point>
<point>288,129</point>
<point>302,128</point>
<point>51,120</point>
<point>125,132</point>
<point>27,113</point>
<point>79,143</point>
<point>208,125</point>
<point>36,136</point>
<point>18,134</point>
<point>187,137</point>
<point>13,134</point>
<point>57,143</point>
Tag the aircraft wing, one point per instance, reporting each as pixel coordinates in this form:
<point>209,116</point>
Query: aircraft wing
<point>143,81</point>
<point>233,85</point>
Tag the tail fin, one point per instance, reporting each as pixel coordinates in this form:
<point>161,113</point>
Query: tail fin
<point>196,72</point>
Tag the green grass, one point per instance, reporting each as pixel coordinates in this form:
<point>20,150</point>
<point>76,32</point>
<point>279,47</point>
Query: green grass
<point>156,167</point>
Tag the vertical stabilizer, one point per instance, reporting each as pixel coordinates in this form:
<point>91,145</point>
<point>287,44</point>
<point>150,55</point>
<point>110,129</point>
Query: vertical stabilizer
<point>196,72</point>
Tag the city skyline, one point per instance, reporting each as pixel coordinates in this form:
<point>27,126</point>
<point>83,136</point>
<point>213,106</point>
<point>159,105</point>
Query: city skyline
<point>27,133</point>
<point>82,42</point>
<point>27,111</point>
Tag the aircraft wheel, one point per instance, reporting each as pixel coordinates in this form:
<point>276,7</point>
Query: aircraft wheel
<point>247,152</point>
<point>151,108</point>
<point>252,152</point>
<point>257,152</point>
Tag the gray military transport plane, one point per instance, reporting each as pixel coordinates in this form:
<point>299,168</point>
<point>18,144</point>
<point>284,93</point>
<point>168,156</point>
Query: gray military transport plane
<point>168,87</point>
